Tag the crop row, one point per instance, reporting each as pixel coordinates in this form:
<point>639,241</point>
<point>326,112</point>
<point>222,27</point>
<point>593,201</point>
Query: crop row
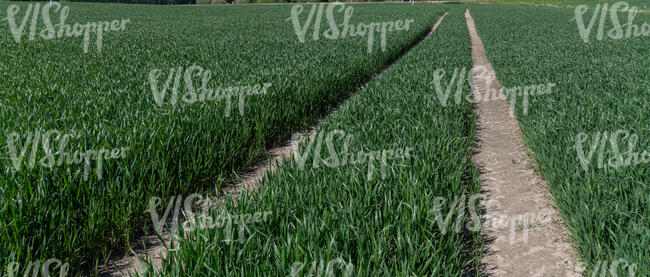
<point>75,198</point>
<point>334,212</point>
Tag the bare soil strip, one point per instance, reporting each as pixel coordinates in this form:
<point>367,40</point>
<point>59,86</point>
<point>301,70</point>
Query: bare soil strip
<point>525,235</point>
<point>249,181</point>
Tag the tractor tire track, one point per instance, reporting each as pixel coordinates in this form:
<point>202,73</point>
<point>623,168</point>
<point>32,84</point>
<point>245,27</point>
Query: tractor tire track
<point>524,233</point>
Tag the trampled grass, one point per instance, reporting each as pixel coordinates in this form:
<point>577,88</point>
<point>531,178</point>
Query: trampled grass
<point>105,99</point>
<point>379,227</point>
<point>602,86</point>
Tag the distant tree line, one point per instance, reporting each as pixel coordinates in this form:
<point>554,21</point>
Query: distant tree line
<point>279,1</point>
<point>190,2</point>
<point>155,2</point>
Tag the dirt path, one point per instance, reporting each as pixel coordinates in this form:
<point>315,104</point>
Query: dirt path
<point>525,235</point>
<point>248,181</point>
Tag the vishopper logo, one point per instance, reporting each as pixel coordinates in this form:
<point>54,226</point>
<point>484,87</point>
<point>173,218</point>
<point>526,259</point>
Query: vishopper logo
<point>346,157</point>
<point>599,141</point>
<point>457,208</point>
<point>617,32</point>
<point>204,93</point>
<point>519,223</point>
<point>49,160</point>
<point>202,220</point>
<point>348,29</point>
<point>462,75</point>
<point>50,32</point>
<point>317,267</point>
<point>51,265</point>
<point>603,268</point>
